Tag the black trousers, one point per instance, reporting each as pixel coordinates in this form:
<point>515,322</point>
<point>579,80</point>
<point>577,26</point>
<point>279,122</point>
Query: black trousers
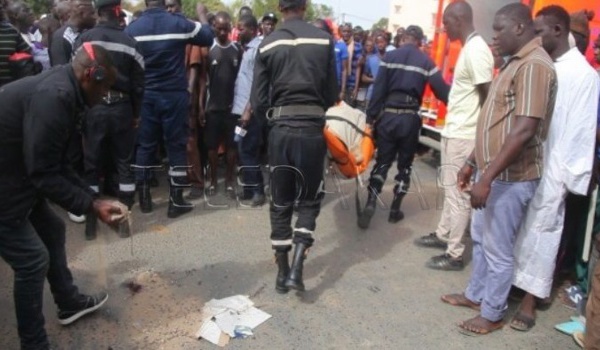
<point>109,135</point>
<point>397,137</point>
<point>35,250</point>
<point>296,158</point>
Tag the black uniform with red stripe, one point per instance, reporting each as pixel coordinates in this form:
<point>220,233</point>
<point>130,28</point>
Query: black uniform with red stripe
<point>295,70</point>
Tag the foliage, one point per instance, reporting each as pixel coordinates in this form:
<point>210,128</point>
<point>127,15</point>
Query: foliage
<point>381,24</point>
<point>260,7</point>
<point>189,6</point>
<point>40,6</point>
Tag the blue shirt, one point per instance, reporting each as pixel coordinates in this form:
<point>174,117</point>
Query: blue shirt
<point>243,83</point>
<point>163,37</point>
<point>371,69</point>
<point>341,54</point>
<point>351,82</point>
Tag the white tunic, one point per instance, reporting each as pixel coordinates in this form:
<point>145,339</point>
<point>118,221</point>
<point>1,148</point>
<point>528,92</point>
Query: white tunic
<point>568,160</point>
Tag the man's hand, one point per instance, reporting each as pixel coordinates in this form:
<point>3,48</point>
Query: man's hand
<point>108,211</point>
<point>598,241</point>
<point>479,193</point>
<point>245,118</point>
<point>136,123</point>
<point>463,180</point>
<point>342,95</point>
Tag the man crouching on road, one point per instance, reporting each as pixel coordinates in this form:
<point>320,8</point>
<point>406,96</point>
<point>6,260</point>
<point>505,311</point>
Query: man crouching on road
<point>39,116</point>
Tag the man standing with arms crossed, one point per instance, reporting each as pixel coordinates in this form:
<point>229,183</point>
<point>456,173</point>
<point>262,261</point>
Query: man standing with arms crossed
<point>472,76</point>
<point>508,158</point>
<point>295,102</point>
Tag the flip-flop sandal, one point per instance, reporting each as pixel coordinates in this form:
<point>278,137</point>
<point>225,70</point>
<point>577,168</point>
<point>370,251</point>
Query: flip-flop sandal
<point>522,323</point>
<point>458,303</point>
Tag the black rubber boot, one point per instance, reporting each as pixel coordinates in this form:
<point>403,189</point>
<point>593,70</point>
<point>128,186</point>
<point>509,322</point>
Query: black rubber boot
<point>365,217</point>
<point>282,260</point>
<point>127,198</point>
<point>91,225</point>
<point>145,197</point>
<point>177,205</point>
<point>395,213</point>
<point>294,280</point>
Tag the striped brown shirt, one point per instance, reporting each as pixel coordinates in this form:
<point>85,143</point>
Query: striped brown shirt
<point>525,87</point>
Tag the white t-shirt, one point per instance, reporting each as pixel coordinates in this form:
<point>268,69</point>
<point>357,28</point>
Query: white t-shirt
<point>474,66</point>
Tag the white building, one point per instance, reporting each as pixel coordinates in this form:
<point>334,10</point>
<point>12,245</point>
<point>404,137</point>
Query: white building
<point>406,12</point>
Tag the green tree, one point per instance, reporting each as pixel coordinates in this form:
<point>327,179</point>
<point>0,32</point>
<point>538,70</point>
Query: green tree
<point>189,6</point>
<point>381,24</point>
<point>39,6</point>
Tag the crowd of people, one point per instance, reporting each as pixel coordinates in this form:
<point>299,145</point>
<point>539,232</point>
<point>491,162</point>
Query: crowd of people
<point>92,102</point>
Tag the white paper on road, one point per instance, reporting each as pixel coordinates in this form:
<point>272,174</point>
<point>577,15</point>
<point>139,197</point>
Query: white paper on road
<point>222,316</point>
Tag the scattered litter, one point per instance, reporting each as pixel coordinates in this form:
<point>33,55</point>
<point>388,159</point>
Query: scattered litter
<point>232,317</point>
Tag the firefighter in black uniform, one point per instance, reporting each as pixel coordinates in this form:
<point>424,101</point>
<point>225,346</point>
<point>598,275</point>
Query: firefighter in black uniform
<point>109,126</point>
<point>397,95</point>
<point>294,83</point>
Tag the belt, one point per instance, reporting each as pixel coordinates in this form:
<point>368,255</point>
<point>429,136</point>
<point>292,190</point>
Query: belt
<point>295,110</point>
<point>114,96</point>
<point>400,111</point>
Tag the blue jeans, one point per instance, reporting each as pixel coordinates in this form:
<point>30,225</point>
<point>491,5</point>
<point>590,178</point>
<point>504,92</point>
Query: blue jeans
<point>494,230</point>
<point>163,115</point>
<point>249,157</point>
<point>35,251</point>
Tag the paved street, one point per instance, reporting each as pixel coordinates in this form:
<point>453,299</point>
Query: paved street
<point>365,289</point>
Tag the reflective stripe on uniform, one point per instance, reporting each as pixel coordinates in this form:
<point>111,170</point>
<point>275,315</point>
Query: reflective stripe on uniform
<point>126,187</point>
<point>116,47</point>
<point>281,243</point>
<point>409,68</point>
<point>303,230</point>
<point>178,36</point>
<point>174,173</point>
<point>294,42</point>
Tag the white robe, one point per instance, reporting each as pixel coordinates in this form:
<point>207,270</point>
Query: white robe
<point>568,161</point>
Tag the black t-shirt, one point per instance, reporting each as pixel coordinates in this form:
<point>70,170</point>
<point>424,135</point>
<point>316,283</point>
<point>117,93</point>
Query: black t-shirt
<point>223,65</point>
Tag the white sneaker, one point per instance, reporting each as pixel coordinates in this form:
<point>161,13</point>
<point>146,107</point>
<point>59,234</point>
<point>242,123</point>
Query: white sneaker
<point>79,219</point>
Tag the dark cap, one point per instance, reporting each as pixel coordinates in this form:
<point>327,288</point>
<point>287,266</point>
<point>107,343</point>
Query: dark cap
<point>415,31</point>
<point>102,3</point>
<point>286,4</point>
<point>271,16</point>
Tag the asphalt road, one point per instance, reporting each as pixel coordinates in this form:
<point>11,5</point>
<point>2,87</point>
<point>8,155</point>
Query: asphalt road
<point>365,289</point>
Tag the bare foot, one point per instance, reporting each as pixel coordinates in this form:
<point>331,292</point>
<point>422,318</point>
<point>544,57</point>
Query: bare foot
<point>480,326</point>
<point>524,319</point>
<point>460,300</point>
